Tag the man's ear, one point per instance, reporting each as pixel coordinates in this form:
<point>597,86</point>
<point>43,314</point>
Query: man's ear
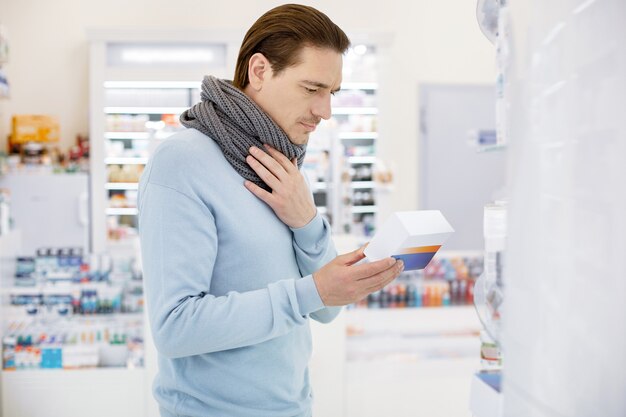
<point>259,69</point>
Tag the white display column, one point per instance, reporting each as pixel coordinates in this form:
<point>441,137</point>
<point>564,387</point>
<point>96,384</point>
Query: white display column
<point>564,332</point>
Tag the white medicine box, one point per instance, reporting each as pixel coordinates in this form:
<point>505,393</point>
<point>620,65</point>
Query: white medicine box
<point>412,236</point>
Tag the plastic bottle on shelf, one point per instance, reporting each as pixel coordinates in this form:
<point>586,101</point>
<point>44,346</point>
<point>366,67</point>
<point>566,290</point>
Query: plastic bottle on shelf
<point>374,300</point>
<point>454,292</point>
<point>426,295</point>
<point>411,295</point>
<point>437,295</point>
<point>419,293</point>
<point>445,298</point>
<point>462,291</point>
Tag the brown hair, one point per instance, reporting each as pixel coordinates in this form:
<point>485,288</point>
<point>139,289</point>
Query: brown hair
<point>281,33</point>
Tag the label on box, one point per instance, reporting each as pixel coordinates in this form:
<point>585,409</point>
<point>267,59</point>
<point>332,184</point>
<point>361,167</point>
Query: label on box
<point>412,236</point>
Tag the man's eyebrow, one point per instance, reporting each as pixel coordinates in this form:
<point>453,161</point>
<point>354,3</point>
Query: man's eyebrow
<point>320,85</point>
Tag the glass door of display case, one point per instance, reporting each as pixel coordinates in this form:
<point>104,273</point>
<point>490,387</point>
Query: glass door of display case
<point>135,106</point>
<point>341,155</point>
<point>140,83</point>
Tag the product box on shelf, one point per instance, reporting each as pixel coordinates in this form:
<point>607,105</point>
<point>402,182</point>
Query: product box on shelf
<point>34,128</point>
<point>412,236</point>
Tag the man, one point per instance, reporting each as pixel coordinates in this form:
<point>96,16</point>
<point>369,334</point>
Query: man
<point>235,267</point>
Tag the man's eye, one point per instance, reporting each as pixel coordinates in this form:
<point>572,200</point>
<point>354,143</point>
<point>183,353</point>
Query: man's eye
<point>310,90</point>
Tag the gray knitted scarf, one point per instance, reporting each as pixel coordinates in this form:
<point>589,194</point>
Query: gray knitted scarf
<point>236,123</point>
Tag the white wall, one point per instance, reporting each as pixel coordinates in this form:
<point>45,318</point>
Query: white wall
<point>433,41</point>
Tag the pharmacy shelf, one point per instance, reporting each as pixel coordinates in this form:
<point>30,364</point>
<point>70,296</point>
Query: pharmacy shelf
<point>491,148</point>
<point>19,312</point>
<point>416,334</point>
<point>418,320</point>
<point>137,135</point>
<point>152,84</point>
<point>320,185</point>
<point>354,110</point>
<point>364,209</point>
<point>359,86</point>
<point>362,184</point>
<point>121,211</point>
<point>358,135</point>
<point>127,135</point>
<point>121,186</point>
<point>361,159</point>
<point>144,110</point>
<point>125,161</point>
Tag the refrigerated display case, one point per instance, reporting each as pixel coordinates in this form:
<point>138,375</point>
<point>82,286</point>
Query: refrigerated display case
<point>139,115</point>
<point>136,106</point>
<point>140,83</point>
<point>342,152</point>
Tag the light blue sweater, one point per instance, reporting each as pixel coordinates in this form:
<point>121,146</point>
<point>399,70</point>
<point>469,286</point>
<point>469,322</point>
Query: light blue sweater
<point>228,286</point>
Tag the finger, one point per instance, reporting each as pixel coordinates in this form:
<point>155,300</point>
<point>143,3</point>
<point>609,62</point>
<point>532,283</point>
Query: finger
<point>268,161</point>
<point>353,257</point>
<point>279,157</point>
<point>380,285</point>
<point>384,275</point>
<point>263,173</point>
<point>258,191</point>
<point>367,270</point>
<point>377,282</point>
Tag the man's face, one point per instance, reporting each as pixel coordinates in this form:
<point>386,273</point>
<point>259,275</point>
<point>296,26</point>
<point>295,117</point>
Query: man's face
<point>299,96</point>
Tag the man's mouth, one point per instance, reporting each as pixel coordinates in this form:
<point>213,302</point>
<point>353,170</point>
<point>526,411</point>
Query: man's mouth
<point>309,126</point>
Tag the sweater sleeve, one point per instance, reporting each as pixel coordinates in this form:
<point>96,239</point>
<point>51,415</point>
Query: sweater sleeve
<point>179,246</point>
<point>314,248</point>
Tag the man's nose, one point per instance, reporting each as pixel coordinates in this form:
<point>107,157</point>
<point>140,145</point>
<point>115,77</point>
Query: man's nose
<point>321,107</point>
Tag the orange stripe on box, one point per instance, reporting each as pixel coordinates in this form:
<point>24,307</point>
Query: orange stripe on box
<point>419,249</point>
